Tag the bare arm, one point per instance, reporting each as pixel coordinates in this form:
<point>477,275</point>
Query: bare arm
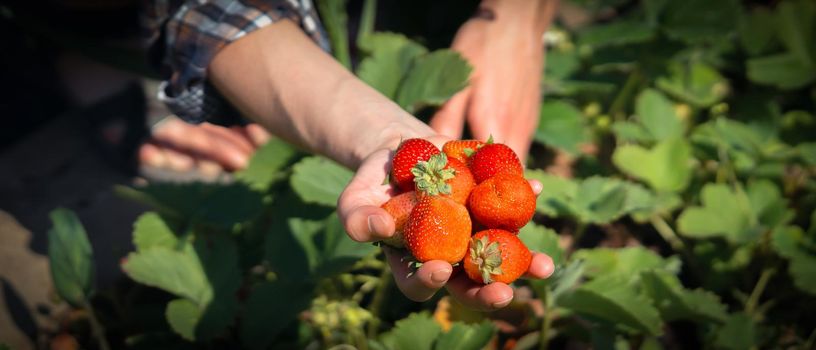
<point>279,78</point>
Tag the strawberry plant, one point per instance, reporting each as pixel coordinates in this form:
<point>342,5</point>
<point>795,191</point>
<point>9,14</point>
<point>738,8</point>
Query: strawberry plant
<point>684,216</point>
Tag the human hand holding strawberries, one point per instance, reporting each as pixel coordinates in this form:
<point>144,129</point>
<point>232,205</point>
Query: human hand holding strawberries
<point>367,219</point>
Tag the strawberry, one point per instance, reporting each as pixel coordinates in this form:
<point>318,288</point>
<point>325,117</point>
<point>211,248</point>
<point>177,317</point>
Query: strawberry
<point>408,153</point>
<point>438,229</point>
<point>440,175</point>
<point>461,150</point>
<point>462,182</point>
<point>493,159</point>
<point>504,201</point>
<point>496,256</point>
<point>399,207</point>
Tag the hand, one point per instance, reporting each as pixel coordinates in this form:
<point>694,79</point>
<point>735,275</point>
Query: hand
<point>504,95</point>
<point>364,220</point>
<point>181,146</point>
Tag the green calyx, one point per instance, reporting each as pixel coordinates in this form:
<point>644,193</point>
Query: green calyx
<point>487,256</point>
<point>431,177</point>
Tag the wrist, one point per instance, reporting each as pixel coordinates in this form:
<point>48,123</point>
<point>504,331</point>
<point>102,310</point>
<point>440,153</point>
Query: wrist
<point>382,124</point>
<point>534,15</point>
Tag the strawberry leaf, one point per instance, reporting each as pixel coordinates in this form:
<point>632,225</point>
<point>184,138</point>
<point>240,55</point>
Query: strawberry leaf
<point>666,167</point>
<point>418,331</point>
<point>319,180</point>
<point>676,302</point>
<point>267,165</point>
<point>463,336</point>
<point>433,79</point>
<point>70,257</point>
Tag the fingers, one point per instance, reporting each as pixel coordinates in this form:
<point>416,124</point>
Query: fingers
<point>206,142</point>
<point>257,134</point>
<point>541,266</point>
<point>537,186</point>
<point>423,283</point>
<point>478,296</point>
<point>450,119</point>
<point>359,204</point>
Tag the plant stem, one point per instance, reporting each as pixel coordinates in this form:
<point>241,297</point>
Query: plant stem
<point>753,300</point>
<point>544,334</point>
<point>377,300</point>
<point>366,20</point>
<point>667,233</point>
<point>616,108</point>
<point>96,328</point>
<point>580,228</point>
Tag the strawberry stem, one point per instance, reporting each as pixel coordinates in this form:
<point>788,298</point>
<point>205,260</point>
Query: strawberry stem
<point>487,256</point>
<point>431,177</point>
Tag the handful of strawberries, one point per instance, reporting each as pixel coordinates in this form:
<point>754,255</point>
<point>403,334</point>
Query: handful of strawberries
<point>464,204</point>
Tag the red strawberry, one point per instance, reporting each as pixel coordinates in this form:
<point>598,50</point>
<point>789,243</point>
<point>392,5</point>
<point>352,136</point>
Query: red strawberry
<point>504,201</point>
<point>462,182</point>
<point>461,150</point>
<point>408,153</point>
<point>438,229</point>
<point>493,159</point>
<point>496,256</point>
<point>400,208</point>
<point>443,176</point>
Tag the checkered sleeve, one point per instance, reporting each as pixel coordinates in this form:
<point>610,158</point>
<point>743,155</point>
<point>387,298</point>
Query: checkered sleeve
<point>184,36</point>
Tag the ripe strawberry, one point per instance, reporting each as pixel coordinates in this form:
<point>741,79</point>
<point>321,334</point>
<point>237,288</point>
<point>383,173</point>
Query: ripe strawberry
<point>496,256</point>
<point>399,207</point>
<point>438,229</point>
<point>461,150</point>
<point>441,175</point>
<point>462,182</point>
<point>493,159</point>
<point>408,153</point>
<point>504,201</point>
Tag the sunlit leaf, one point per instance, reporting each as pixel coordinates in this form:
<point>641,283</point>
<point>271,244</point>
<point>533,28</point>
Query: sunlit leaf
<point>666,167</point>
<point>433,79</point>
<point>561,125</point>
<point>319,180</point>
<point>70,257</point>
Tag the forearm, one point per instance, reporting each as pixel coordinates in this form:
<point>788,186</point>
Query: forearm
<point>277,77</point>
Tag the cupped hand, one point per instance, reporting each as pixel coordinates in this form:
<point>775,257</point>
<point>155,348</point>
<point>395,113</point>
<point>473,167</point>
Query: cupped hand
<point>364,220</point>
<point>504,94</point>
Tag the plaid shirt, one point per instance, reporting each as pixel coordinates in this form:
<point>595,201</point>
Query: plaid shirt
<point>184,36</point>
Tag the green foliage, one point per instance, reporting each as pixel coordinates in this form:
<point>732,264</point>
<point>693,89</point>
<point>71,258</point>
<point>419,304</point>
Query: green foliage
<point>690,127</point>
<point>70,257</point>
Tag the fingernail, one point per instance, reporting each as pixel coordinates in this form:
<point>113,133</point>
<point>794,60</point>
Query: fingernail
<point>440,276</point>
<point>502,303</point>
<point>376,224</point>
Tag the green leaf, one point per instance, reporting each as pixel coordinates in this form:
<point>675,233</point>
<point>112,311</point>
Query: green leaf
<point>767,204</point>
<point>632,132</point>
<point>267,164</point>
<point>643,204</point>
<point>624,262</point>
<point>561,125</point>
<point>610,298</point>
<point>70,257</point>
<point>183,315</point>
<point>542,239</point>
<point>433,79</point>
<point>150,230</point>
<point>466,337</point>
<point>656,113</point>
<point>666,167</point>
<point>722,214</point>
<point>219,205</point>
<point>807,152</point>
<point>335,20</point>
<point>600,200</point>
<point>418,331</point>
<point>684,21</point>
<point>676,302</point>
<point>753,30</point>
<point>784,71</point>
<point>556,194</point>
<point>177,272</point>
<point>795,28</point>
<point>738,333</point>
<point>621,32</point>
<point>392,56</point>
<point>697,84</point>
<point>338,251</point>
<point>790,242</point>
<point>319,180</point>
<point>271,307</point>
